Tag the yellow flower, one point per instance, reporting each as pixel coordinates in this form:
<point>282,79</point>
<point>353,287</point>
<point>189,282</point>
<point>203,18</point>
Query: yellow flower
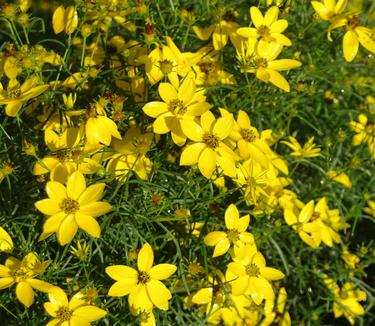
<point>235,235</point>
<point>184,102</point>
<point>350,259</point>
<point>81,251</point>
<point>353,36</point>
<point>65,20</point>
<point>73,312</point>
<point>71,207</point>
<point>6,243</point>
<point>261,61</point>
<point>16,95</point>
<point>248,274</point>
<point>309,149</point>
<point>340,177</point>
<point>276,315</point>
<point>209,148</point>
<point>23,273</point>
<point>329,9</point>
<point>365,133</point>
<point>268,28</point>
<point>371,208</point>
<point>221,31</point>
<point>346,300</point>
<point>142,285</point>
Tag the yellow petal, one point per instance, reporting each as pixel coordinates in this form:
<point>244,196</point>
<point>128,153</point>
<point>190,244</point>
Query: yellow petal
<point>88,224</point>
<point>145,258</point>
<point>55,190</point>
<point>58,21</point>
<point>139,299</point>
<point>203,296</point>
<point>256,16</point>
<point>207,162</point>
<point>192,130</point>
<point>50,308</point>
<point>190,154</point>
<point>284,64</point>
<point>247,32</point>
<point>89,313</point>
<point>76,185</point>
<point>279,26</point>
<point>271,16</point>
<point>272,274</point>
<point>52,223</point>
<point>71,19</point>
<point>40,285</point>
<point>232,217</point>
<point>6,282</point>
<point>25,294</point>
<point>221,247</point>
<point>203,33</point>
<point>240,285</point>
<point>154,109</point>
<point>122,287</point>
<point>162,271</point>
<point>121,272</point>
<point>320,9</point>
<point>167,92</point>
<point>366,41</point>
<point>162,123</point>
<point>91,194</point>
<point>212,238</point>
<point>58,297</point>
<point>48,206</point>
<point>350,45</point>
<point>68,228</point>
<point>6,243</point>
<point>306,212</point>
<point>12,108</point>
<point>223,127</point>
<point>95,209</point>
<point>226,161</point>
<point>187,90</point>
<point>278,80</point>
<point>158,293</point>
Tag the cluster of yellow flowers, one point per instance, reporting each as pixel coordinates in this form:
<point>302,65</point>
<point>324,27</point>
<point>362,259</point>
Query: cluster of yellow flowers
<point>98,137</point>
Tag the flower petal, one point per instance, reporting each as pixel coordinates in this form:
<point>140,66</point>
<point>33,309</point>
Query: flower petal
<point>76,185</point>
<point>88,224</point>
<point>55,190</point>
<point>191,153</point>
<point>91,194</point>
<point>25,294</point>
<point>159,294</point>
<point>121,272</point>
<point>95,209</point>
<point>122,287</point>
<point>167,92</point>
<point>350,45</point>
<point>162,271</point>
<point>89,313</point>
<point>207,162</point>
<point>232,217</point>
<point>154,109</point>
<point>68,228</point>
<point>145,258</point>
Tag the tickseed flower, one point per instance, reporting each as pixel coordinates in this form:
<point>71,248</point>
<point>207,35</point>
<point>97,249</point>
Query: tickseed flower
<point>235,235</point>
<point>185,102</point>
<point>262,62</point>
<point>354,36</point>
<point>81,251</point>
<point>71,207</point>
<point>16,94</point>
<point>340,177</point>
<point>73,312</point>
<point>350,259</point>
<point>268,28</point>
<point>276,314</point>
<point>248,274</point>
<point>143,285</point>
<point>371,208</point>
<point>65,20</point>
<point>309,149</point>
<point>346,299</point>
<point>209,148</point>
<point>365,132</point>
<point>23,273</point>
<point>6,242</point>
<point>329,9</point>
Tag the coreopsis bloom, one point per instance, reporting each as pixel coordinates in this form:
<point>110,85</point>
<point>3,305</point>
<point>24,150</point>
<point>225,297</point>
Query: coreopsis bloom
<point>276,314</point>
<point>268,27</point>
<point>235,235</point>
<point>168,61</point>
<point>209,148</point>
<point>142,285</point>
<point>346,300</point>
<point>72,207</point>
<point>82,250</point>
<point>16,94</point>
<point>6,242</point>
<point>24,273</point>
<point>74,312</point>
<point>371,208</point>
<point>65,20</point>
<point>329,9</point>
<point>353,36</point>
<point>365,132</point>
<point>99,128</point>
<point>221,31</point>
<point>184,102</point>
<point>309,149</point>
<point>350,259</point>
<point>340,177</point>
<point>248,274</point>
<point>262,62</point>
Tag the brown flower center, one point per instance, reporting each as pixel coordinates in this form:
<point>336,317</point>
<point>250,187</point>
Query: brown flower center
<point>252,270</point>
<point>19,274</point>
<point>166,66</point>
<point>69,206</point>
<point>143,277</point>
<point>211,140</point>
<point>64,314</point>
<point>352,23</point>
<point>233,235</point>
<point>14,93</point>
<point>176,106</point>
<point>248,135</point>
<point>261,63</point>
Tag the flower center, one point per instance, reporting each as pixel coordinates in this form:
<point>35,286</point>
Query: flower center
<point>211,140</point>
<point>64,314</point>
<point>206,67</point>
<point>252,270</point>
<point>19,274</point>
<point>261,63</point>
<point>176,106</point>
<point>233,235</point>
<point>143,277</point>
<point>229,16</point>
<point>352,23</point>
<point>370,130</point>
<point>166,66</point>
<point>69,206</point>
<point>248,135</point>
<point>14,93</point>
